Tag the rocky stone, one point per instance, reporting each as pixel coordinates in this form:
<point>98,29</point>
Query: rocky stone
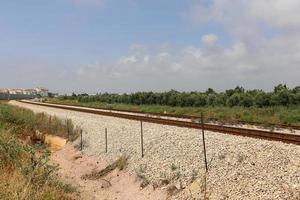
<point>239,167</point>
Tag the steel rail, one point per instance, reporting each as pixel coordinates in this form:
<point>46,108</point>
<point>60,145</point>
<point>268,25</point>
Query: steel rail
<point>266,135</point>
<point>270,124</point>
<point>284,126</point>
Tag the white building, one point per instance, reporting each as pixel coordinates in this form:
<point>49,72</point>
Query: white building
<point>42,91</point>
<point>4,91</point>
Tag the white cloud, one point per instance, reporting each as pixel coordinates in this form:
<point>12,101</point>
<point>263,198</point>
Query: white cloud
<point>209,39</point>
<point>176,67</point>
<point>237,51</point>
<point>272,62</point>
<point>128,60</point>
<point>146,58</point>
<point>248,18</point>
<point>276,13</point>
<point>194,67</point>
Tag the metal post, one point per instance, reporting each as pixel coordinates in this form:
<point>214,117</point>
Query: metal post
<point>49,126</point>
<point>81,145</point>
<point>142,139</point>
<point>68,129</point>
<point>105,140</point>
<point>203,138</point>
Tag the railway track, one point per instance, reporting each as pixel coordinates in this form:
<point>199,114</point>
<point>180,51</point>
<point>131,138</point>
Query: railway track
<point>270,125</point>
<point>284,126</point>
<point>266,135</point>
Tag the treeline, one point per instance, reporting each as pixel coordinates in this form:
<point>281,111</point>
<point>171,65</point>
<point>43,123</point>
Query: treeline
<point>280,96</point>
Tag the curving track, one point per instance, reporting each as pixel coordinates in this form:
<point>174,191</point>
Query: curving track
<point>188,117</point>
<point>267,135</point>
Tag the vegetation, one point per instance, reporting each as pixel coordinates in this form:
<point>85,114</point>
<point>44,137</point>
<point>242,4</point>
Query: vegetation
<point>281,96</point>
<point>120,163</point>
<point>27,120</point>
<point>280,106</point>
<point>25,172</point>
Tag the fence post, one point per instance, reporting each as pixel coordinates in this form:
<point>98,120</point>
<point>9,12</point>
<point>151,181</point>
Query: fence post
<point>68,129</point>
<point>142,140</point>
<point>81,145</point>
<point>105,140</point>
<point>203,138</point>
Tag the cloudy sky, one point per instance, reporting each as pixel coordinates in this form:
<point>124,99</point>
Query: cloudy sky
<point>133,45</point>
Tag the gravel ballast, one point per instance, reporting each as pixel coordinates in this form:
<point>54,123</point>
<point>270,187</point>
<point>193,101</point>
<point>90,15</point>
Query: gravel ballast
<point>239,167</point>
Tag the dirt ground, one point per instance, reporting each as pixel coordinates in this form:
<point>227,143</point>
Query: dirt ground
<point>116,185</point>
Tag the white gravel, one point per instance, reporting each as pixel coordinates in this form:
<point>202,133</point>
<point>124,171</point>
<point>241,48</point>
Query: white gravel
<point>239,167</point>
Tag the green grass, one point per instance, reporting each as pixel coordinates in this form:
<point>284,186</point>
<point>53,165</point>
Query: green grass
<point>25,172</point>
<point>26,119</point>
<point>277,114</point>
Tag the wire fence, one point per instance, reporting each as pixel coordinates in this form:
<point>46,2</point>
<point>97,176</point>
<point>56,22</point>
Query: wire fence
<point>108,142</point>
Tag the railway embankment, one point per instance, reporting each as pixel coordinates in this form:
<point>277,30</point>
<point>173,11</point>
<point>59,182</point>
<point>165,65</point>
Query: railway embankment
<point>239,167</point>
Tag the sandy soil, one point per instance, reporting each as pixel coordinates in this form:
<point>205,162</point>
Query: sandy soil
<point>116,185</point>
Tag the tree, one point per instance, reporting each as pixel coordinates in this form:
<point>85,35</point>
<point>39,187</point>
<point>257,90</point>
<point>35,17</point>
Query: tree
<point>73,94</point>
<point>210,91</point>
<point>296,90</point>
<point>229,92</point>
<point>263,99</point>
<point>201,100</point>
<point>280,88</point>
<point>191,99</point>
<point>83,95</point>
<point>233,100</point>
<point>281,95</point>
<point>172,101</point>
<point>294,98</point>
<point>221,99</point>
<point>246,100</point>
<point>212,99</point>
<point>283,98</point>
<point>239,89</point>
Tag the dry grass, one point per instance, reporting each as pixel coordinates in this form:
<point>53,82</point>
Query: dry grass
<point>26,173</point>
<point>120,164</point>
<point>13,188</point>
<point>141,176</point>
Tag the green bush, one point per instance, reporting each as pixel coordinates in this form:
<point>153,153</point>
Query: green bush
<point>26,119</point>
<point>281,96</point>
<point>264,114</point>
<point>29,165</point>
<point>25,172</point>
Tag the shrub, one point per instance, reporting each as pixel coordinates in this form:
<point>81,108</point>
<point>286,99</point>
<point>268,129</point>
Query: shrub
<point>26,119</point>
<point>25,172</point>
<point>234,100</point>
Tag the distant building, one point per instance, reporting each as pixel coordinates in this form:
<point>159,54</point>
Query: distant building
<point>4,91</point>
<point>30,91</point>
<point>42,91</point>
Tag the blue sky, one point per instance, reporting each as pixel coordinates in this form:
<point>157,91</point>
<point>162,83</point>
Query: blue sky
<point>89,44</point>
<point>64,28</point>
